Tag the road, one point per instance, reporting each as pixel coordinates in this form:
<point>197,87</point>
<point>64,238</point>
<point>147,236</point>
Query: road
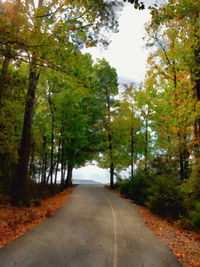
<point>94,228</point>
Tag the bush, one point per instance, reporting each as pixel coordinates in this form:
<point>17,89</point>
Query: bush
<point>138,189</point>
<point>135,188</point>
<point>195,216</point>
<point>37,202</point>
<point>165,197</point>
<point>191,190</point>
<point>124,187</point>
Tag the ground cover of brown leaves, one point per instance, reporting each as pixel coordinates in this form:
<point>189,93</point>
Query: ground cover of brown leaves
<point>15,221</point>
<point>183,243</point>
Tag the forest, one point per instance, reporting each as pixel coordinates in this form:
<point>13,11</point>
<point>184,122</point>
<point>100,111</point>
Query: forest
<point>60,110</point>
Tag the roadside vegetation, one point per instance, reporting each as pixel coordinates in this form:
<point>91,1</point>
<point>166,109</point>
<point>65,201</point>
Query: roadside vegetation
<point>165,195</point>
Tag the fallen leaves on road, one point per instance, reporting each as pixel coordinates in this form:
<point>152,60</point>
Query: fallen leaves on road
<point>15,221</point>
<point>183,243</point>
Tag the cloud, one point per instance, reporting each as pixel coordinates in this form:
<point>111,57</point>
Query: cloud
<point>126,52</point>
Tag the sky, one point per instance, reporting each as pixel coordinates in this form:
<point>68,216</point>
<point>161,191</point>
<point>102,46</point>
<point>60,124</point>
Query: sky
<point>128,55</point>
<point>127,51</point>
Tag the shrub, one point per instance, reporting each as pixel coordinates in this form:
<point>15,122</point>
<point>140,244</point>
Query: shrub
<point>135,188</point>
<point>165,197</point>
<point>124,187</point>
<point>138,189</point>
<point>195,216</point>
<point>37,202</point>
<point>191,190</point>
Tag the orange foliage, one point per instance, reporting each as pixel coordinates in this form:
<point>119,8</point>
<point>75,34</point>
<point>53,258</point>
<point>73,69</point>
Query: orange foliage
<point>15,221</point>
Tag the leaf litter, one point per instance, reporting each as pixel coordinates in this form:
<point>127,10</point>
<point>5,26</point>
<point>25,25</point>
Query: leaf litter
<point>15,221</point>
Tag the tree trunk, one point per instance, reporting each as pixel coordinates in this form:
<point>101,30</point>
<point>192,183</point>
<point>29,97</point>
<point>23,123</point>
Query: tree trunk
<point>186,155</point>
<point>62,166</point>
<point>68,181</point>
<point>52,138</point>
<point>132,151</point>
<point>19,190</point>
<point>58,161</point>
<point>39,173</point>
<point>44,161</point>
<point>64,173</point>
<point>110,139</point>
<point>146,143</point>
<point>197,146</point>
<point>197,121</point>
<point>32,164</point>
<point>112,176</point>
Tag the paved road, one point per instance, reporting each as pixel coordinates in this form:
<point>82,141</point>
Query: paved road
<point>95,228</point>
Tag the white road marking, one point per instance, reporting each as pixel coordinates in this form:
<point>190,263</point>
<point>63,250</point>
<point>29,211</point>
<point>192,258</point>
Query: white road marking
<point>114,232</point>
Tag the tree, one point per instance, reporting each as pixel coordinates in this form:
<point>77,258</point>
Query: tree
<point>106,88</point>
<point>127,111</point>
<point>173,63</point>
<point>75,132</point>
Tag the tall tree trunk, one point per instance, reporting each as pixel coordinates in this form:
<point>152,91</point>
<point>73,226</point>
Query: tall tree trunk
<point>146,143</point>
<point>62,165</point>
<point>68,181</point>
<point>112,175</point>
<point>197,146</point>
<point>197,121</point>
<point>132,152</point>
<point>186,163</point>
<point>32,165</point>
<point>39,172</point>
<point>58,161</point>
<point>111,162</point>
<point>110,139</point>
<point>64,173</point>
<point>45,180</point>
<point>52,138</point>
<point>44,161</point>
<point>19,188</point>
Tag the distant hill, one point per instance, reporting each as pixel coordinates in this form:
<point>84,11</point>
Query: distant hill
<point>76,181</point>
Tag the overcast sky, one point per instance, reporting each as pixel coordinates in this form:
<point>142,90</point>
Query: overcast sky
<point>126,52</point>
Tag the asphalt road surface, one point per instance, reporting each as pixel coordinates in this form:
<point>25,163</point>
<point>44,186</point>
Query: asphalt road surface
<point>95,228</point>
